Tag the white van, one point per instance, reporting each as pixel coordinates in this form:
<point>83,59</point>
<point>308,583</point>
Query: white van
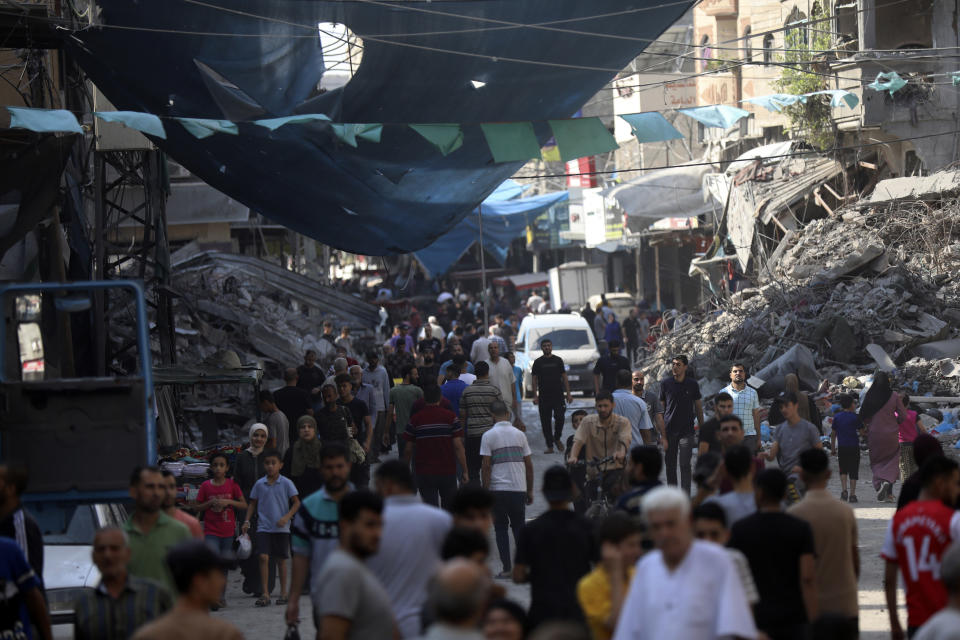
<point>572,340</point>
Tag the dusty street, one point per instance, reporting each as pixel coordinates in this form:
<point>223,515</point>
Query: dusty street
<point>872,518</point>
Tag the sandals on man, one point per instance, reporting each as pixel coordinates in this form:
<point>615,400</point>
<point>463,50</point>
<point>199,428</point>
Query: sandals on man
<point>280,600</point>
<point>262,602</point>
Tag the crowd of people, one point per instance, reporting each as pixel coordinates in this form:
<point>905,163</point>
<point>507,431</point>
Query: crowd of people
<point>373,485</point>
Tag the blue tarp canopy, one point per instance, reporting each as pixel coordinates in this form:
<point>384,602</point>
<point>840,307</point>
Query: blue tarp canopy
<point>423,62</point>
<point>504,218</point>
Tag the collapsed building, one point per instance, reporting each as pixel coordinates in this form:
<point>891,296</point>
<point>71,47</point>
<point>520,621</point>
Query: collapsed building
<point>875,285</point>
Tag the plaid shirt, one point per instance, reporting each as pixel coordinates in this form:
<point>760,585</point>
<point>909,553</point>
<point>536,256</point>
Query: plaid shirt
<point>101,617</point>
<point>744,402</point>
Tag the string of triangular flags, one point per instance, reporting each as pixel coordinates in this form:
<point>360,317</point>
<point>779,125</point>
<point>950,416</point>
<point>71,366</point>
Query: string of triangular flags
<point>507,141</point>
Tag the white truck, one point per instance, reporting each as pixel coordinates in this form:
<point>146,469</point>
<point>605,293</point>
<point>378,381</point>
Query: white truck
<point>573,283</point>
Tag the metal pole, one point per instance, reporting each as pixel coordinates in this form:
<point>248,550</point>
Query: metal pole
<point>483,272</point>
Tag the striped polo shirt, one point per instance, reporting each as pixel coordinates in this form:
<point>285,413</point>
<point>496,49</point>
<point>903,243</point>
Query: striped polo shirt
<point>506,446</point>
<point>475,401</point>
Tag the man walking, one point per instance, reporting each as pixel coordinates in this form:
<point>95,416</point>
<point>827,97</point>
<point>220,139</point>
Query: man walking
<point>315,529</point>
<point>402,398</point>
<point>607,367</point>
<point>23,601</point>
<point>453,387</point>
<point>631,334</point>
<point>792,437</point>
<point>121,603</point>
<point>309,375</point>
<point>278,429</point>
<point>780,550</point>
<point>459,596</point>
<point>654,408</point>
<point>349,603</point>
<point>434,440</point>
<point>409,553</point>
<point>746,405</point>
<point>293,402</point>
<point>686,588</point>
<point>835,542</point>
<point>680,397</point>
<point>370,396</point>
<point>549,383</point>
<point>507,471</point>
<point>632,408</point>
<point>554,552</point>
<point>503,377</point>
<point>360,414</point>
<point>170,506</point>
<point>916,540</point>
<point>200,576</point>
<point>476,416</point>
<point>150,531</point>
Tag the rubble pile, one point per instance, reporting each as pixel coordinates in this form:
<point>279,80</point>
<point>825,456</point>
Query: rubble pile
<point>884,271</point>
<point>265,314</point>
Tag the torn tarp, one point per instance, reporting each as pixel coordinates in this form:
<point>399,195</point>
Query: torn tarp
<point>503,220</point>
<point>421,62</point>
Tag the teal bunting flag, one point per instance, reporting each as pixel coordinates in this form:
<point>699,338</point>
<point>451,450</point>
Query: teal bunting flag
<point>44,120</point>
<point>720,116</point>
<point>651,127</point>
<point>275,123</point>
<point>447,138</point>
<point>142,122</point>
<point>888,81</point>
<point>204,128</point>
<point>349,133</point>
<point>580,137</point>
<point>511,141</point>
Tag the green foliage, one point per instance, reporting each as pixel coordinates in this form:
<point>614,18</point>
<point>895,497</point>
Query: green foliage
<point>812,121</point>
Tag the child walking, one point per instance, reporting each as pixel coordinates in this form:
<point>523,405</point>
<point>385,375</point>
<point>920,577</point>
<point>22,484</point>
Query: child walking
<point>845,443</point>
<point>910,428</point>
<point>275,499</point>
<point>216,500</point>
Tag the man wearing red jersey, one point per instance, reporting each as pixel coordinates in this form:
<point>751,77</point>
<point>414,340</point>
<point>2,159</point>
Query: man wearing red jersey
<point>916,540</point>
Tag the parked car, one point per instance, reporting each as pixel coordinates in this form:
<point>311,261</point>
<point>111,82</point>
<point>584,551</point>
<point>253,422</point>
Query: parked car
<point>621,303</point>
<point>573,341</point>
<point>68,567</point>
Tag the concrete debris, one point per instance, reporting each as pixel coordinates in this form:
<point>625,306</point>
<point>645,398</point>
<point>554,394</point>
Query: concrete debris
<point>883,273</point>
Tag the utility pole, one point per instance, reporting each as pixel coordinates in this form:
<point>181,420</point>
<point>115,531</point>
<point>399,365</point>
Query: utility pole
<point>483,269</point>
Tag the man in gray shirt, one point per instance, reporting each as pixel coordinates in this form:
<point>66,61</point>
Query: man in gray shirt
<point>349,602</point>
<point>653,402</point>
<point>376,376</point>
<point>409,556</point>
<point>792,437</point>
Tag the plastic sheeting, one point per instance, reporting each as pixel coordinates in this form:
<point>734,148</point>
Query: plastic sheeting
<point>503,220</point>
<point>664,193</point>
<point>419,64</point>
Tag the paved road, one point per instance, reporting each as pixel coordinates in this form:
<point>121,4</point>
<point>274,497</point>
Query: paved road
<point>872,518</point>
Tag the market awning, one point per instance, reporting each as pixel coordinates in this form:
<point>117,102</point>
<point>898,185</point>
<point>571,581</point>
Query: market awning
<point>523,281</point>
<point>663,193</point>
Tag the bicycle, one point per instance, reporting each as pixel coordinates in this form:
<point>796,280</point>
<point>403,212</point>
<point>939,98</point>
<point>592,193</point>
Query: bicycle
<point>600,505</point>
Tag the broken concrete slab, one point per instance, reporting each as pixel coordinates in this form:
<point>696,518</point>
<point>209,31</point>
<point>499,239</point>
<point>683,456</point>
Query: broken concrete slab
<point>881,357</point>
<point>927,188</point>
<point>799,360</point>
<point>939,349</point>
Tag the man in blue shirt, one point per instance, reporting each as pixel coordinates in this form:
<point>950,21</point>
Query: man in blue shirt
<point>845,444</point>
<point>21,601</point>
<point>633,409</point>
<point>453,388</point>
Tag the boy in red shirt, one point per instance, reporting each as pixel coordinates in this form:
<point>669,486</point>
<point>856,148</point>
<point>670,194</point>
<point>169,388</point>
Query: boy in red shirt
<point>216,500</point>
<point>916,540</point>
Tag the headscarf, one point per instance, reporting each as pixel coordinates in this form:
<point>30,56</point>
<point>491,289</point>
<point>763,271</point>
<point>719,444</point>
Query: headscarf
<point>257,426</point>
<point>306,455</point>
<point>792,383</point>
<point>877,396</point>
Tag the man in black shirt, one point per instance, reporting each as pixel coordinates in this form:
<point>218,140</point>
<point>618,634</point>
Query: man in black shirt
<point>309,375</point>
<point>549,382</point>
<point>680,397</point>
<point>607,367</point>
<point>360,413</point>
<point>780,550</point>
<point>554,552</point>
<point>430,368</point>
<point>710,431</point>
<point>293,402</point>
